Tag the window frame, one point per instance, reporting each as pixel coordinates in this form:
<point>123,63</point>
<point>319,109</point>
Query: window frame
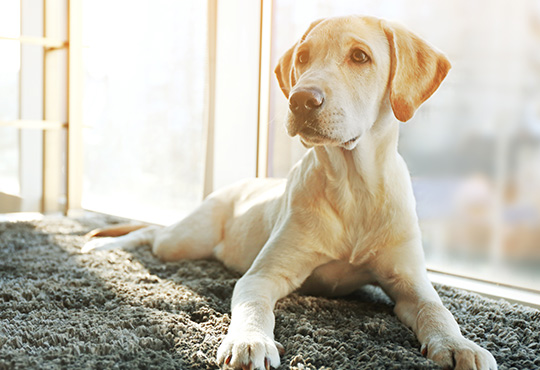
<point>50,125</point>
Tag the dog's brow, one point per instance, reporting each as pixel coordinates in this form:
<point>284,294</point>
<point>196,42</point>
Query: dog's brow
<point>355,40</point>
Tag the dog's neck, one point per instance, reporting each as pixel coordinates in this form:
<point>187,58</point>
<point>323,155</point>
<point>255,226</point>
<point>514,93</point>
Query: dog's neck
<point>371,164</point>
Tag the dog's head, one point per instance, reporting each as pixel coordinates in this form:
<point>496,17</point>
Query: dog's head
<point>344,71</point>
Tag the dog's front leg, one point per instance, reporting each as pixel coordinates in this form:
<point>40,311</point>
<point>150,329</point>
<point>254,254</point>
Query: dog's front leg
<point>403,276</point>
<point>279,269</point>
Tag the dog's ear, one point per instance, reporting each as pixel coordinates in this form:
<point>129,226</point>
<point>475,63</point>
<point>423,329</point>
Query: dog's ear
<point>284,71</point>
<point>285,68</point>
<point>417,69</point>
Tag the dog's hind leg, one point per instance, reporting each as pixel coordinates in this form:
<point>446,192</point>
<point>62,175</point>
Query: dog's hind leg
<point>192,238</point>
<point>142,235</point>
<point>195,236</point>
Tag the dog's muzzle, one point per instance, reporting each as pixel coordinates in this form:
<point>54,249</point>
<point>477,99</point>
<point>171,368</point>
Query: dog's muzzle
<point>304,103</point>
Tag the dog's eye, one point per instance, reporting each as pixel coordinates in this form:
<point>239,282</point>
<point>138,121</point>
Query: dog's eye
<point>358,56</point>
<point>303,57</point>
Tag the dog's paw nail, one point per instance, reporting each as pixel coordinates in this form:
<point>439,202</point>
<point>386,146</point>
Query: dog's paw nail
<point>248,366</point>
<point>424,351</point>
<point>280,348</point>
<point>266,363</point>
<point>228,360</point>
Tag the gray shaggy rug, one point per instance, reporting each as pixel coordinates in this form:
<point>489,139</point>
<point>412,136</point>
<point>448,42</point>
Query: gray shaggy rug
<point>60,309</point>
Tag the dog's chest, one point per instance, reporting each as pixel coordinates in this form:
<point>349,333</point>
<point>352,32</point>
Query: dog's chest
<point>336,278</point>
<point>360,227</point>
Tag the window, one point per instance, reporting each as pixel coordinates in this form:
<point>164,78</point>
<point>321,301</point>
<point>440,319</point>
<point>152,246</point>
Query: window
<point>160,129</point>
<point>150,151</point>
<point>144,107</point>
<point>473,149</point>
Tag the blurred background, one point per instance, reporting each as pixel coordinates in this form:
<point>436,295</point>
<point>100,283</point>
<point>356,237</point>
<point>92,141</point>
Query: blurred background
<point>178,97</point>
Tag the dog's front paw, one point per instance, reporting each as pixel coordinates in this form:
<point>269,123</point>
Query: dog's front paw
<point>458,353</point>
<point>249,350</point>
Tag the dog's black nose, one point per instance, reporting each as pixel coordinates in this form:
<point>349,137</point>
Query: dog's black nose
<point>305,101</point>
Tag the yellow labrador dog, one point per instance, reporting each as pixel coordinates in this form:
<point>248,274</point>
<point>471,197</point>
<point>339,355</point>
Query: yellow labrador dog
<point>345,216</point>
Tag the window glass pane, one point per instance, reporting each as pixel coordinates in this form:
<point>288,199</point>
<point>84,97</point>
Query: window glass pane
<point>9,95</point>
<point>473,149</point>
<point>143,107</point>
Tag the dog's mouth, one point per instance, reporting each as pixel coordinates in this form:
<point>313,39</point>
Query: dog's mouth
<point>310,137</point>
<point>349,145</point>
<point>310,133</point>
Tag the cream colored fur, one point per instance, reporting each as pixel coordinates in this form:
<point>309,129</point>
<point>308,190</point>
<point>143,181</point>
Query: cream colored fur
<point>345,216</point>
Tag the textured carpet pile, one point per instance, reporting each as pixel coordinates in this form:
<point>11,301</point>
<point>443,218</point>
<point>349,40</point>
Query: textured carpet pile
<point>60,309</point>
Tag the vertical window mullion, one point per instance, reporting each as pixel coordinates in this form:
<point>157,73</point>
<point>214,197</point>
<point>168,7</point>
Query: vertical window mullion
<point>54,105</point>
<point>210,98</point>
<point>74,154</point>
<point>265,75</point>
